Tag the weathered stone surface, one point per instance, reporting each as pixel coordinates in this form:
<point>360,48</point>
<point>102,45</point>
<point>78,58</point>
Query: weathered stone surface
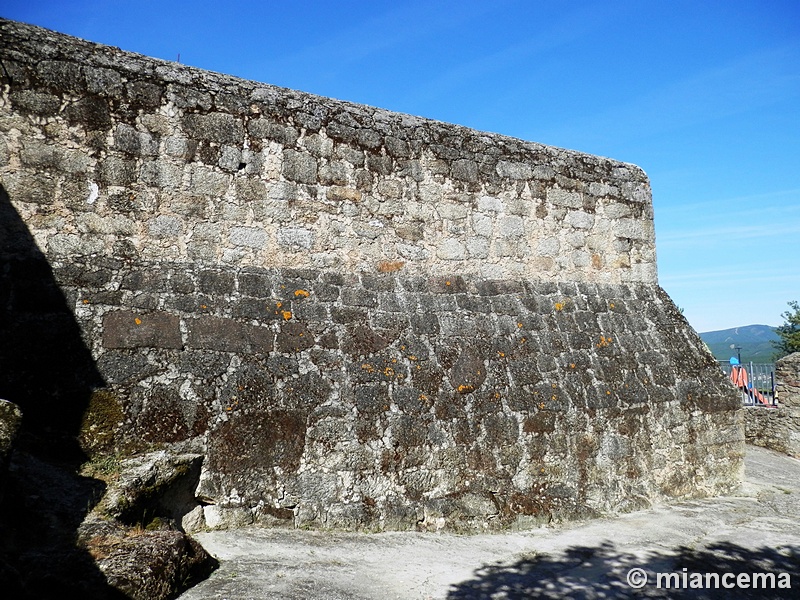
<point>372,320</point>
<point>145,565</point>
<point>227,335</point>
<point>779,428</point>
<point>51,548</point>
<point>125,329</point>
<point>329,169</point>
<point>10,419</point>
<point>159,484</point>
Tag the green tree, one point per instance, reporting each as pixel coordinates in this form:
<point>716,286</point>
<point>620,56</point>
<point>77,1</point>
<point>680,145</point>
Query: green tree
<point>789,332</point>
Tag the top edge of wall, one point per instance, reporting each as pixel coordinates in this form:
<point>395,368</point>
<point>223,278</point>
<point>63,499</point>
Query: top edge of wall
<point>24,41</point>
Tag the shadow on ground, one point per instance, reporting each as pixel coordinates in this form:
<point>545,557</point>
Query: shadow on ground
<point>585,573</point>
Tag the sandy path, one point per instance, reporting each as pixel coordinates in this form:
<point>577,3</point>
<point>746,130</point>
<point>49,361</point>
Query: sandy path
<point>755,530</point>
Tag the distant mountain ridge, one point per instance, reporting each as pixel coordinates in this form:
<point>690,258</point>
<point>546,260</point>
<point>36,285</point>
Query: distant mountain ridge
<point>755,341</point>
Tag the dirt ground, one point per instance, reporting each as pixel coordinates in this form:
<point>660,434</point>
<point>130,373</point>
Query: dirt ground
<point>756,530</point>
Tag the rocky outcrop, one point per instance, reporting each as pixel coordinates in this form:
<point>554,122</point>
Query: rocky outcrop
<point>48,508</point>
<point>145,564</point>
<point>158,486</point>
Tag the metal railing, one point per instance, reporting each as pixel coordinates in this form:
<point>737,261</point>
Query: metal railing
<point>760,390</point>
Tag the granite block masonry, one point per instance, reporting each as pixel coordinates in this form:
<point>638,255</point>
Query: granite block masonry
<point>372,320</point>
<point>779,428</point>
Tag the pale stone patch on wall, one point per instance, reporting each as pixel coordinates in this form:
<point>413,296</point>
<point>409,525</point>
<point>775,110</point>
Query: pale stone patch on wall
<point>490,204</point>
<point>412,252</point>
<point>514,170</point>
<point>579,219</point>
<point>295,237</point>
<point>164,226</point>
<point>114,224</point>
<point>511,227</point>
<point>451,249</point>
<point>250,237</point>
<point>564,198</point>
<point>478,247</point>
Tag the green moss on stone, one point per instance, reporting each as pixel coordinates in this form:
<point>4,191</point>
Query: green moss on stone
<point>102,418</point>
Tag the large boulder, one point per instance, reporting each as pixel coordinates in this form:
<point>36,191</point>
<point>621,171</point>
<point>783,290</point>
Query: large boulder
<point>145,564</point>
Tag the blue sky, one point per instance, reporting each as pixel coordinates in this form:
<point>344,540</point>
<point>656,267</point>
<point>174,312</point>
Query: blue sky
<point>704,96</point>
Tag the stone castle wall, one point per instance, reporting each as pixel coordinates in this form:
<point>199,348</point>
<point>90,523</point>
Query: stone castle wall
<point>370,320</point>
<point>779,428</point>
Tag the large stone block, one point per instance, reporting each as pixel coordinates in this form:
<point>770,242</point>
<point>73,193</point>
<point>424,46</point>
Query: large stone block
<point>127,329</point>
<point>227,335</point>
<point>217,127</point>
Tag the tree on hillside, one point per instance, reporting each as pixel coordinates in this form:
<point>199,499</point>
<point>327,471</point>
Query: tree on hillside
<point>789,331</point>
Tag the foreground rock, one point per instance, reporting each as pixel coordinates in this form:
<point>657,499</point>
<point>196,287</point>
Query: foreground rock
<point>145,565</point>
<point>52,546</point>
<point>756,530</point>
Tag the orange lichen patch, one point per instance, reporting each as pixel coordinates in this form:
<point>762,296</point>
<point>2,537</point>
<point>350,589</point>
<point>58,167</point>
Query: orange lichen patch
<point>464,389</point>
<point>423,398</point>
<point>604,341</point>
<point>554,385</point>
<point>541,405</point>
<point>203,306</point>
<point>523,340</point>
<point>287,314</point>
<point>519,325</point>
<point>390,266</point>
<point>608,392</point>
<point>447,283</point>
<point>497,395</point>
<point>500,353</point>
<point>138,321</point>
<point>86,301</point>
<point>278,304</point>
<point>412,358</point>
<point>571,365</point>
<point>559,305</point>
<point>389,372</point>
<point>611,305</point>
<point>301,293</point>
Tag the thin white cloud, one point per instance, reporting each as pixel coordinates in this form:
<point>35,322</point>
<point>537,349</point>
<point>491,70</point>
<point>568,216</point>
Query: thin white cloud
<point>396,27</point>
<point>714,278</point>
<point>572,25</point>
<point>753,81</point>
<point>776,200</point>
<point>710,235</point>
